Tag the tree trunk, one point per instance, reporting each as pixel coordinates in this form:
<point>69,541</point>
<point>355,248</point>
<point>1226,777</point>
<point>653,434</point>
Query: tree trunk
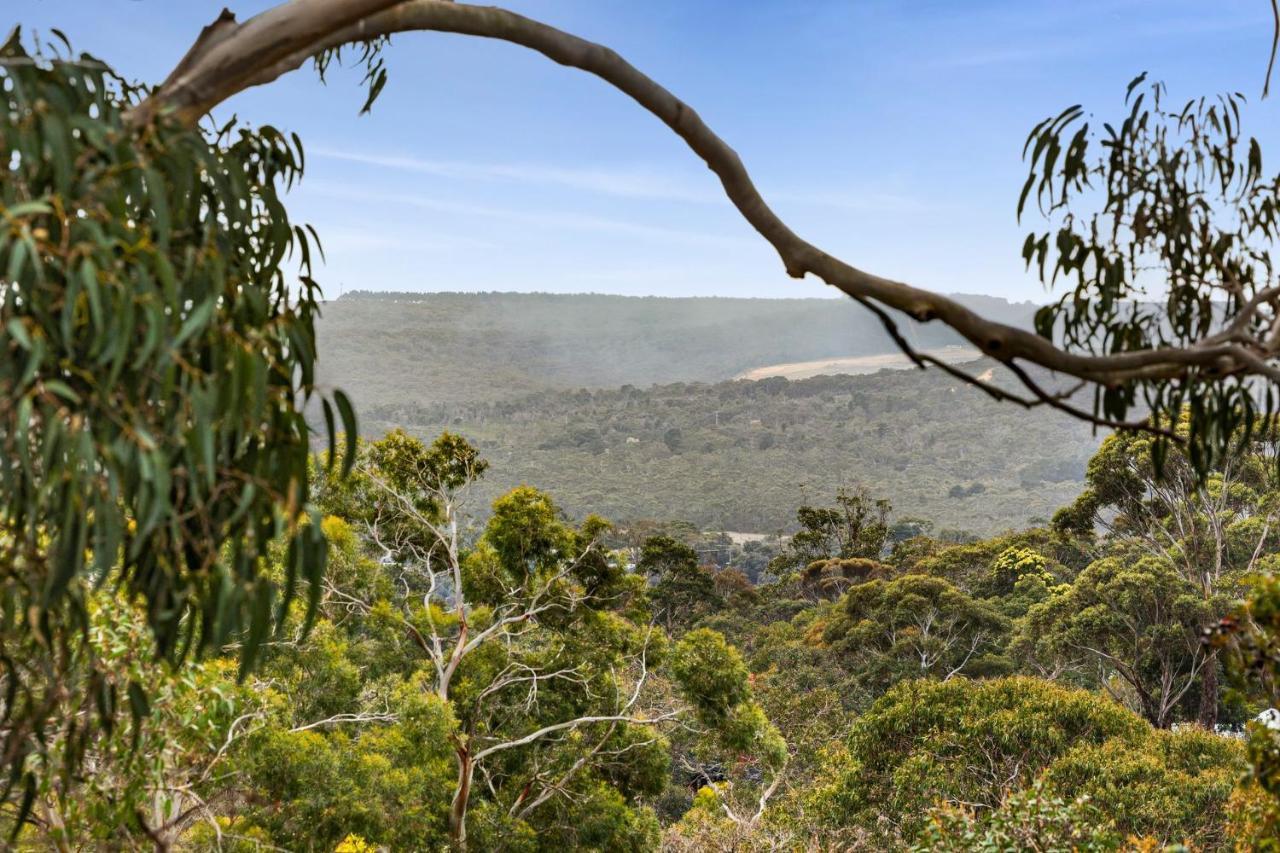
<point>461,797</point>
<point>1208,717</point>
<point>1151,711</point>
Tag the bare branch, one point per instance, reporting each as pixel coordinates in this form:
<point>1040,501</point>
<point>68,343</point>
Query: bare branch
<point>338,719</point>
<point>575,723</point>
<point>1275,43</point>
<point>236,57</point>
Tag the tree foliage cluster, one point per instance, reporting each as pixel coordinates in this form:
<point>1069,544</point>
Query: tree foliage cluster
<point>463,684</point>
<point>514,679</point>
<point>155,363</point>
<point>1052,683</point>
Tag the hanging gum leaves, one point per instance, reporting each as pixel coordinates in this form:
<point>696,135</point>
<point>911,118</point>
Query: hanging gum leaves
<point>1160,234</point>
<point>154,367</point>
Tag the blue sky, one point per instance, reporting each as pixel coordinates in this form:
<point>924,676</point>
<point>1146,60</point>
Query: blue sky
<point>887,131</point>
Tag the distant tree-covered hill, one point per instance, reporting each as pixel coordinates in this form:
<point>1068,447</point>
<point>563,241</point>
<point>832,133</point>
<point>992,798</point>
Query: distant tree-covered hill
<point>451,347</point>
<point>743,455</point>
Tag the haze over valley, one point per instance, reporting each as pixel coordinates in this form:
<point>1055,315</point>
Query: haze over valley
<point>629,407</point>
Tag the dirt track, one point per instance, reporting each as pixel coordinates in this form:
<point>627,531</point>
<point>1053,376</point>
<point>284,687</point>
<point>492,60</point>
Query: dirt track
<point>856,365</point>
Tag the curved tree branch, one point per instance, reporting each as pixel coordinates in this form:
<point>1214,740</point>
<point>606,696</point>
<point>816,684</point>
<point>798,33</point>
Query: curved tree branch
<point>1275,44</point>
<point>230,57</point>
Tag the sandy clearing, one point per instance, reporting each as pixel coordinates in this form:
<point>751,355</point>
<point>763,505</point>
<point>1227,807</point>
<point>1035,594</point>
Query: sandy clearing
<point>856,365</point>
<point>740,538</point>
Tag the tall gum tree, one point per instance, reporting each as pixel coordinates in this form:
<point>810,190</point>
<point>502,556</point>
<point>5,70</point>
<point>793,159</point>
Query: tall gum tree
<point>1215,531</point>
<point>538,641</point>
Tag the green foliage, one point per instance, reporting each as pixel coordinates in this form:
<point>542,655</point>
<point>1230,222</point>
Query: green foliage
<point>154,366</point>
<point>1030,819</point>
<point>1254,819</point>
<point>714,677</point>
<point>526,534</point>
<point>1251,639</point>
<point>1015,565</point>
<point>145,772</point>
<point>1019,579</point>
<point>601,573</point>
<point>972,566</point>
<point>974,743</point>
<point>857,527</point>
<point>362,729</point>
<point>1174,786</point>
<point>347,736</point>
<point>830,578</point>
<point>604,820</point>
<point>411,468</point>
<point>392,783</point>
<point>1213,530</point>
<point>390,778</point>
<point>505,678</point>
<point>396,484</point>
<point>682,590</point>
<point>1159,225</point>
<point>1123,479</point>
<point>915,627</point>
<point>1137,617</point>
<point>712,672</point>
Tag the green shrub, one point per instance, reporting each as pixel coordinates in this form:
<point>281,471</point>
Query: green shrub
<point>928,745</point>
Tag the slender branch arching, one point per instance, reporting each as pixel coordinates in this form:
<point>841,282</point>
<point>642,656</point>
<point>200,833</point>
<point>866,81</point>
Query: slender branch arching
<point>231,57</point>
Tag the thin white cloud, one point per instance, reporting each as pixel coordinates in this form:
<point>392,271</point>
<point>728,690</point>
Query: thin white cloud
<point>544,219</point>
<point>633,183</point>
<point>337,239</point>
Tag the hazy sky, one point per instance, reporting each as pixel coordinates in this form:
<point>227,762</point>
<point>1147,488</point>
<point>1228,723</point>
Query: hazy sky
<point>888,132</point>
